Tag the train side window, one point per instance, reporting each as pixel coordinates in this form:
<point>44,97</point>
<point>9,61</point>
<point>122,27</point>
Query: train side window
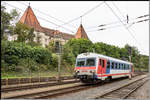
<point>119,66</point>
<point>112,65</point>
<point>108,64</point>
<point>116,65</point>
<point>123,66</point>
<point>103,63</point>
<point>128,66</point>
<point>100,62</point>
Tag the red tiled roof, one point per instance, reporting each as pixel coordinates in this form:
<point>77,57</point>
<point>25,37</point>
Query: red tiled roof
<point>81,33</point>
<point>30,19</point>
<point>47,31</point>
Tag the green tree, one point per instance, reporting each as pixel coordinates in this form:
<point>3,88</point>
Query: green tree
<point>51,46</point>
<point>6,19</point>
<point>31,36</point>
<point>22,31</point>
<point>80,46</point>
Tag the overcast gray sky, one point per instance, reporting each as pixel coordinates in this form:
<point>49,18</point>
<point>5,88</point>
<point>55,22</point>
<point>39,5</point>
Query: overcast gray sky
<point>115,33</point>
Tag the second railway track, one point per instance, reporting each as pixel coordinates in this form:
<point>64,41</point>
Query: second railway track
<point>36,85</point>
<point>124,91</point>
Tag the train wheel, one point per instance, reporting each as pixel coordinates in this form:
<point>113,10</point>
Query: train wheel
<point>108,79</point>
<point>130,76</point>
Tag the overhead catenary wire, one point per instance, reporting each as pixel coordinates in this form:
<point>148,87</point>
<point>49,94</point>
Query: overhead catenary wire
<point>120,25</point>
<point>133,22</point>
<point>115,26</point>
<point>92,9</point>
<point>123,24</point>
<point>41,18</point>
<point>48,15</point>
<point>116,22</point>
<point>83,14</point>
<point>58,26</point>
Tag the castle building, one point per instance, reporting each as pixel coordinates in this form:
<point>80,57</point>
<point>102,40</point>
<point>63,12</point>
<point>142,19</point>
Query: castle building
<point>47,34</point>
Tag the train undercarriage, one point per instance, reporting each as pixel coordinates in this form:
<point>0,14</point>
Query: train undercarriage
<point>88,79</point>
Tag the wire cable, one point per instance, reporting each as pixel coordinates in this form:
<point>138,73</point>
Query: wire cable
<point>47,15</point>
<point>123,24</point>
<point>92,9</point>
<point>82,14</point>
<point>116,22</point>
<point>41,18</point>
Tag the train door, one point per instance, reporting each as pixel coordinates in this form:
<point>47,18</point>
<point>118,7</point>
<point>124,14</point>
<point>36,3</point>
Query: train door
<point>108,67</point>
<point>101,66</point>
<point>132,68</point>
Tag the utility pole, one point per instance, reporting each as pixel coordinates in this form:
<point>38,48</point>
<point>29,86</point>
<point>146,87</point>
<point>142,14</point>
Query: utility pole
<point>129,51</point>
<point>58,50</point>
<point>59,63</point>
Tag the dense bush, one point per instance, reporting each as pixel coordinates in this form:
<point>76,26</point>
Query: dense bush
<point>14,51</point>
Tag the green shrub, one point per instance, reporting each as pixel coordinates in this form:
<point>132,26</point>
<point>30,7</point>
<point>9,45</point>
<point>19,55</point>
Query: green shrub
<point>54,61</point>
<point>11,59</point>
<point>14,51</point>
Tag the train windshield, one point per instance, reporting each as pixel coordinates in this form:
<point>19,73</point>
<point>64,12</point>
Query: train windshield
<point>90,62</point>
<point>85,62</point>
<point>80,62</point>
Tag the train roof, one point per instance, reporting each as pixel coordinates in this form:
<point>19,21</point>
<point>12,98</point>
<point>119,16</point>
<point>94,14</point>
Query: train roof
<point>89,54</point>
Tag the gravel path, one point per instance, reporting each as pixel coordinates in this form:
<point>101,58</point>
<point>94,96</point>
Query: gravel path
<point>30,91</point>
<point>86,94</point>
<point>142,93</point>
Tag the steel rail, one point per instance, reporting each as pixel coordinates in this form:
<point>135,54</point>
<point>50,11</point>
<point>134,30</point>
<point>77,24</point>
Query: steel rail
<point>37,85</point>
<point>123,91</point>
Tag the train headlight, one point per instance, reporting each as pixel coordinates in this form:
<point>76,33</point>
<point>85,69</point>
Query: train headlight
<point>77,71</point>
<point>92,71</point>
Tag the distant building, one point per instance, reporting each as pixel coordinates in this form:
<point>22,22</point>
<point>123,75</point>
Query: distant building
<point>47,34</point>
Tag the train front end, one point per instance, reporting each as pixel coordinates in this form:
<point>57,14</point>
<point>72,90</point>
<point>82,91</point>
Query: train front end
<point>85,68</point>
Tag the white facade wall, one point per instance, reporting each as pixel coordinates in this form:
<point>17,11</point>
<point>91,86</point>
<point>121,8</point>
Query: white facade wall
<point>12,37</point>
<point>44,39</point>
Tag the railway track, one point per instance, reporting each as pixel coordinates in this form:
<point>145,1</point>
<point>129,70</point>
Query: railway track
<point>36,85</point>
<point>51,93</point>
<point>39,85</point>
<point>60,91</point>
<point>124,91</point>
<point>57,92</point>
<point>18,81</point>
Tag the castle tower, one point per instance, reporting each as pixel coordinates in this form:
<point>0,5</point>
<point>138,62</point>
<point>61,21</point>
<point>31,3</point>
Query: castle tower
<point>30,19</point>
<point>81,33</point>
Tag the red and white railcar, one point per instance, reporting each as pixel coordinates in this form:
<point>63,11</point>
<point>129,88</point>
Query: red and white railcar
<point>94,67</point>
